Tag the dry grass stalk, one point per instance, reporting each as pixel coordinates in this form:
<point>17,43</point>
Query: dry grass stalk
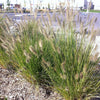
<point>8,20</point>
<point>4,46</point>
<point>96,47</point>
<point>96,56</point>
<point>18,39</point>
<point>63,76</point>
<point>54,17</point>
<point>47,64</point>
<point>25,54</point>
<point>2,40</point>
<point>92,21</point>
<point>81,75</point>
<point>40,43</point>
<point>33,51</point>
<point>59,21</point>
<point>45,33</point>
<point>76,76</point>
<point>63,66</point>
<point>93,35</point>
<point>35,14</point>
<point>44,20</point>
<point>58,50</point>
<point>81,28</point>
<point>49,19</point>
<point>7,27</point>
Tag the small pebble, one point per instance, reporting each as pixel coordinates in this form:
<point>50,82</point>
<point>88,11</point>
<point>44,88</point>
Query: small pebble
<point>15,87</point>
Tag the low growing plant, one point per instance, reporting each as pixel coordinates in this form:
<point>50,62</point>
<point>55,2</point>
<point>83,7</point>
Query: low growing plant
<point>72,71</point>
<point>60,59</point>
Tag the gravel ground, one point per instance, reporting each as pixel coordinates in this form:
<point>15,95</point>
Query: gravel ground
<point>14,87</point>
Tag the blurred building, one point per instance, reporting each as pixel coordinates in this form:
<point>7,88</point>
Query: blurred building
<point>17,6</point>
<point>43,4</point>
<point>1,6</point>
<point>52,4</point>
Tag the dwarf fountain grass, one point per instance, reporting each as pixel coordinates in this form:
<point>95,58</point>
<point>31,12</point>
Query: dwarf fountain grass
<point>71,71</point>
<point>71,66</point>
<point>27,54</point>
<point>57,58</point>
<point>3,49</point>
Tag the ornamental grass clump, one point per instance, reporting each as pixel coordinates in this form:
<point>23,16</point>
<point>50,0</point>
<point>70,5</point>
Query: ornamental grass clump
<point>3,48</point>
<point>28,54</point>
<point>24,52</point>
<point>72,70</point>
<point>58,58</point>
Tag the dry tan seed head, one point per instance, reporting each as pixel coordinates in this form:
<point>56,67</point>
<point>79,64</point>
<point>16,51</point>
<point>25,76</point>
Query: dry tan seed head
<point>63,76</point>
<point>63,66</point>
<point>2,40</point>
<point>47,64</point>
<point>49,19</point>
<point>32,50</point>
<point>59,22</point>
<point>93,36</point>
<point>28,59</point>
<point>25,52</point>
<point>81,75</point>
<point>58,50</point>
<point>96,56</point>
<point>54,17</point>
<point>76,76</point>
<point>96,47</point>
<point>35,14</point>
<point>18,39</point>
<point>40,43</point>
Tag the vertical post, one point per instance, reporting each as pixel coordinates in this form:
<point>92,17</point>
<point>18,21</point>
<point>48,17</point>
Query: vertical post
<point>88,5</point>
<point>31,11</point>
<point>16,1</point>
<point>33,6</point>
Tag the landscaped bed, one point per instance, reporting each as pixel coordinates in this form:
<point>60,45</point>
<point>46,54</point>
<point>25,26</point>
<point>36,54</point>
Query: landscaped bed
<point>36,58</point>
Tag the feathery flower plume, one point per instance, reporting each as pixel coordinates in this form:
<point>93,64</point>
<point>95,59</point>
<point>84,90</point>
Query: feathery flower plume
<point>63,66</point>
<point>32,50</point>
<point>76,76</point>
<point>58,50</point>
<point>18,39</point>
<point>40,43</point>
<point>81,75</point>
<point>59,22</point>
<point>49,18</point>
<point>4,47</point>
<point>25,54</point>
<point>2,40</point>
<point>28,59</point>
<point>47,64</point>
<point>96,55</point>
<point>63,76</point>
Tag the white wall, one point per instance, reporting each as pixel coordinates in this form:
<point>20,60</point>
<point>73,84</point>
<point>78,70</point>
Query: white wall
<point>77,3</point>
<point>96,4</point>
